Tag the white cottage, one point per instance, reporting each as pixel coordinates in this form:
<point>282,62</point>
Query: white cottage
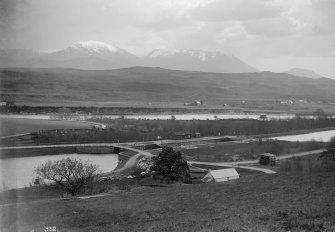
<point>221,175</point>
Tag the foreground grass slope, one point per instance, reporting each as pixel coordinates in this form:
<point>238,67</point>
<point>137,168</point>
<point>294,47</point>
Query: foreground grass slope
<point>143,85</point>
<point>280,202</point>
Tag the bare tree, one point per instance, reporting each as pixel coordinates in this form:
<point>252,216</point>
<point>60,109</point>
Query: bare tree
<point>70,173</point>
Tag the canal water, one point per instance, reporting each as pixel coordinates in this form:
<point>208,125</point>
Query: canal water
<point>19,172</point>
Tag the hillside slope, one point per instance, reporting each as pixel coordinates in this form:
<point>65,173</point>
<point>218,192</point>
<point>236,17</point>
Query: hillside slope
<point>139,84</point>
<point>303,73</point>
<point>280,202</point>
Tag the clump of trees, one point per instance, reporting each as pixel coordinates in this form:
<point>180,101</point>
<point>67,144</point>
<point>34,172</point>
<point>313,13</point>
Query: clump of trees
<point>327,157</point>
<point>71,174</point>
<point>65,113</point>
<point>170,165</point>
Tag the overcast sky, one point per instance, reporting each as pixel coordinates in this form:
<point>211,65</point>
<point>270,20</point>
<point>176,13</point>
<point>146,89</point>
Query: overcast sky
<point>273,35</point>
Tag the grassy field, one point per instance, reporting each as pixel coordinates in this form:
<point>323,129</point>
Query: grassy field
<point>233,151</point>
<point>279,202</point>
<point>11,126</point>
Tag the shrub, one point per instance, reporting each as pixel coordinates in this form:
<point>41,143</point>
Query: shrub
<point>70,173</point>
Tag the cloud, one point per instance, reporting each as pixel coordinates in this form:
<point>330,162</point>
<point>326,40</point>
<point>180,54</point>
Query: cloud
<point>13,17</point>
<point>274,27</point>
<point>165,18</point>
<point>253,30</point>
<point>223,10</point>
<point>311,17</point>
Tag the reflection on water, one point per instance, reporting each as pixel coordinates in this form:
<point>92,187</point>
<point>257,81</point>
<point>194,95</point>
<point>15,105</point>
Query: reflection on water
<point>322,136</point>
<point>18,172</point>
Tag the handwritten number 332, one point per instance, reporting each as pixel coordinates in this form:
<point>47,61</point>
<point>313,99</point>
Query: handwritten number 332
<point>50,229</point>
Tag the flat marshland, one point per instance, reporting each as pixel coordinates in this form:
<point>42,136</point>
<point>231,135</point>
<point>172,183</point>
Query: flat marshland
<point>130,130</point>
<point>12,126</point>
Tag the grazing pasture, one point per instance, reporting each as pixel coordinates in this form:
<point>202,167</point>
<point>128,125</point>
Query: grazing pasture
<point>234,151</point>
<point>280,202</point>
<point>13,126</point>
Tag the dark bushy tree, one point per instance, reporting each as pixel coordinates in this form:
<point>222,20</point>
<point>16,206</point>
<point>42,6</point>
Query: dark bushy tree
<point>170,165</point>
<point>331,143</point>
<point>70,173</point>
<point>327,157</point>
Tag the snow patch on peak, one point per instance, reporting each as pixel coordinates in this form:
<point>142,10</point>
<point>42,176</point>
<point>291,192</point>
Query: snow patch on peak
<point>162,52</point>
<point>201,55</point>
<point>48,51</point>
<point>197,54</point>
<point>95,47</point>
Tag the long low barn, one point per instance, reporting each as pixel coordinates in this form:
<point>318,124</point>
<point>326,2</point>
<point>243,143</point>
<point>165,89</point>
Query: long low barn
<point>221,175</point>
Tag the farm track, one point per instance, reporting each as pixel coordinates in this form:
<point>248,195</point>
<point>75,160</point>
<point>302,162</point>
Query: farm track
<point>267,171</point>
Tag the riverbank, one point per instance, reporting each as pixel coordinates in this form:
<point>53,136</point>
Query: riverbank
<point>43,151</point>
<point>140,109</point>
<point>123,159</point>
<point>197,115</point>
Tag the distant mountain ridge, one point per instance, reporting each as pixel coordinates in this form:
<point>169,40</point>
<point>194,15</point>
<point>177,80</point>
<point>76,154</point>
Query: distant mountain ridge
<point>197,60</point>
<point>97,55</point>
<point>141,85</point>
<point>303,73</point>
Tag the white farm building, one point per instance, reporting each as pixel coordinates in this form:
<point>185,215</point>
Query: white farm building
<point>221,175</point>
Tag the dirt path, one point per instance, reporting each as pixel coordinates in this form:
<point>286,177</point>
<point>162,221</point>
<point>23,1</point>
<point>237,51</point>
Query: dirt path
<point>131,162</point>
<point>267,171</point>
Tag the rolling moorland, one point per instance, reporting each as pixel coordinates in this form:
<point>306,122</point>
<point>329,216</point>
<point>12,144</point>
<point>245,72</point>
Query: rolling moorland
<point>156,87</point>
<point>9,126</point>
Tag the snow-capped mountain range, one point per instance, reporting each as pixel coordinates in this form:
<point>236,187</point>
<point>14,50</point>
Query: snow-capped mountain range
<point>98,55</point>
<point>91,48</point>
<point>196,60</point>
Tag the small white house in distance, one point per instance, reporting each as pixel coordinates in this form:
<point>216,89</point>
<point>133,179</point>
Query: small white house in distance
<point>221,175</point>
<point>99,127</point>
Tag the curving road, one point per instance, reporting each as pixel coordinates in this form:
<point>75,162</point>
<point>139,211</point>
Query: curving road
<point>267,171</point>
